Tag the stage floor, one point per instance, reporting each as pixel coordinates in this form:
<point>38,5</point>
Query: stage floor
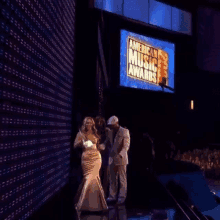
<point>147,199</point>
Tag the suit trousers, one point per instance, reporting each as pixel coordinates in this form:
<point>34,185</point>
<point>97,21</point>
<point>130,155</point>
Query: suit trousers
<point>118,172</point>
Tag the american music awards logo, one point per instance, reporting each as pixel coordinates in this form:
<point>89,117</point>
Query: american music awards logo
<point>145,62</point>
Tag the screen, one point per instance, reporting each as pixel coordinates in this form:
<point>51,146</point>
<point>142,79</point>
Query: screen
<point>146,62</point>
<point>36,72</point>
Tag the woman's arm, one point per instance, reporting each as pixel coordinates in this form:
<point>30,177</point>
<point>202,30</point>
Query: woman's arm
<point>78,140</point>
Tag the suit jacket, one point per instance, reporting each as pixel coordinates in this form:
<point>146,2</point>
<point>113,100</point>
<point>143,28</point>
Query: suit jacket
<point>118,148</point>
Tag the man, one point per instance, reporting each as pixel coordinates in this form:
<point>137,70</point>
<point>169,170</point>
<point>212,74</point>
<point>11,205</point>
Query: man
<point>119,140</point>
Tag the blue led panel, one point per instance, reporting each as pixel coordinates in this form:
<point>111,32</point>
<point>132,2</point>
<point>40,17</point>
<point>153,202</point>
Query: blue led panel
<point>99,4</point>
<point>114,6</point>
<point>181,21</point>
<point>144,61</point>
<point>36,72</point>
<point>136,9</point>
<point>160,14</point>
<point>150,11</point>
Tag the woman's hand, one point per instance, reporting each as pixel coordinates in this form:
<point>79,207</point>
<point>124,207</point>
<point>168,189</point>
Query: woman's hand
<point>88,143</point>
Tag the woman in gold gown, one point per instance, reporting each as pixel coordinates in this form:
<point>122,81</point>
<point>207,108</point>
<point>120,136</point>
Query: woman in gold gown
<point>90,194</point>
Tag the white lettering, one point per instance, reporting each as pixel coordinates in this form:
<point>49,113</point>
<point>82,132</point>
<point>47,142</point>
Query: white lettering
<point>140,60</point>
<point>130,71</point>
<point>135,45</point>
<point>145,61</point>
<point>150,66</point>
<point>141,73</point>
<point>136,71</point>
<point>150,76</point>
<point>132,56</point>
<point>146,74</point>
<point>154,62</point>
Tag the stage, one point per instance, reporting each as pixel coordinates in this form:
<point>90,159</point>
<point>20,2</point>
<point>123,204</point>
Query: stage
<point>147,199</point>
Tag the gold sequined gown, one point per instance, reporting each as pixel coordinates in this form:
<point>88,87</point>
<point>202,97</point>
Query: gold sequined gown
<point>90,194</point>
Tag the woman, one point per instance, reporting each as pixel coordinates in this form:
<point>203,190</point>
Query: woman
<point>103,132</point>
<point>101,128</point>
<point>90,195</point>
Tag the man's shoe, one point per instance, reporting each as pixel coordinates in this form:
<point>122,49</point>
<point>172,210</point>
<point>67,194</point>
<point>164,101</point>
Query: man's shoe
<point>110,200</point>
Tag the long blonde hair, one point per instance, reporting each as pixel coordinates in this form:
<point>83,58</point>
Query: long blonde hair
<point>83,127</point>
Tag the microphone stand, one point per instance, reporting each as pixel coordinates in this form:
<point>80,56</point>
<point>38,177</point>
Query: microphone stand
<point>168,87</point>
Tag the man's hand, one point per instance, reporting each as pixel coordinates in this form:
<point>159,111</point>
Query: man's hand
<point>102,146</point>
<point>118,156</point>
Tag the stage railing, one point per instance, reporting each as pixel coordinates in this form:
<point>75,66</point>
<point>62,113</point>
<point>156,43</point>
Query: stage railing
<point>190,212</point>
